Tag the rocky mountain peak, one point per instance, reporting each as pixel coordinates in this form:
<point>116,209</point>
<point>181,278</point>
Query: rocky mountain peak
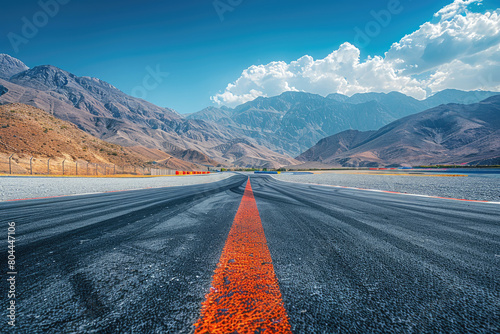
<point>10,66</point>
<point>44,77</point>
<point>98,82</point>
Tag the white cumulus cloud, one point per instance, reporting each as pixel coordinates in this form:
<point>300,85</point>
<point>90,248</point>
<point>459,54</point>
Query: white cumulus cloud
<point>460,50</point>
<point>455,8</point>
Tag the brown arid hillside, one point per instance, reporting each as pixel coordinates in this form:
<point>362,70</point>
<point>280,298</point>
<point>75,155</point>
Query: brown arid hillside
<point>162,159</point>
<point>450,134</point>
<point>334,145</point>
<point>243,153</point>
<point>27,131</point>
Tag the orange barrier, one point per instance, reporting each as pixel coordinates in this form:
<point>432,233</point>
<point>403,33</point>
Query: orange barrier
<point>245,295</point>
<point>190,173</point>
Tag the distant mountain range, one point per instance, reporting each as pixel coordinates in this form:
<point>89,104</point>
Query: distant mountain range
<point>448,134</point>
<point>293,121</point>
<point>109,114</point>
<point>266,132</point>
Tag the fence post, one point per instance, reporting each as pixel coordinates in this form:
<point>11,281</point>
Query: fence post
<point>63,165</point>
<point>48,167</point>
<point>87,169</point>
<point>114,169</point>
<point>31,165</point>
<point>105,167</point>
<point>10,163</point>
<point>76,168</point>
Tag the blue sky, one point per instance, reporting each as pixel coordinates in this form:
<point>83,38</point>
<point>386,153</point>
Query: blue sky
<point>121,41</point>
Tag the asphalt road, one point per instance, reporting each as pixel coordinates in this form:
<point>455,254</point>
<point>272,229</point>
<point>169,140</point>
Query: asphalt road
<point>347,261</point>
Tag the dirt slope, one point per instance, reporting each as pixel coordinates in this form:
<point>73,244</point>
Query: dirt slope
<point>26,130</point>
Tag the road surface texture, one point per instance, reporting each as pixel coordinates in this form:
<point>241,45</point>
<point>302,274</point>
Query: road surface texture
<point>347,261</point>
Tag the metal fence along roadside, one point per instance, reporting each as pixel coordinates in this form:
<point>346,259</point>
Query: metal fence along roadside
<point>29,165</point>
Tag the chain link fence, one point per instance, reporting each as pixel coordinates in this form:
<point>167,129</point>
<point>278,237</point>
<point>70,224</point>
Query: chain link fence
<point>28,165</point>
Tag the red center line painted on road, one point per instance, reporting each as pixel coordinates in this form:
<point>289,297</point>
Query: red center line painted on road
<point>245,295</point>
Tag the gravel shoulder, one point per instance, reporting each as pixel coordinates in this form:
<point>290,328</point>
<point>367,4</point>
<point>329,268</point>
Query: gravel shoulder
<point>14,187</point>
<point>468,187</point>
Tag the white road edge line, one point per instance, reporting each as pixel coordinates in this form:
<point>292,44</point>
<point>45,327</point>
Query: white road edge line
<point>389,192</point>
